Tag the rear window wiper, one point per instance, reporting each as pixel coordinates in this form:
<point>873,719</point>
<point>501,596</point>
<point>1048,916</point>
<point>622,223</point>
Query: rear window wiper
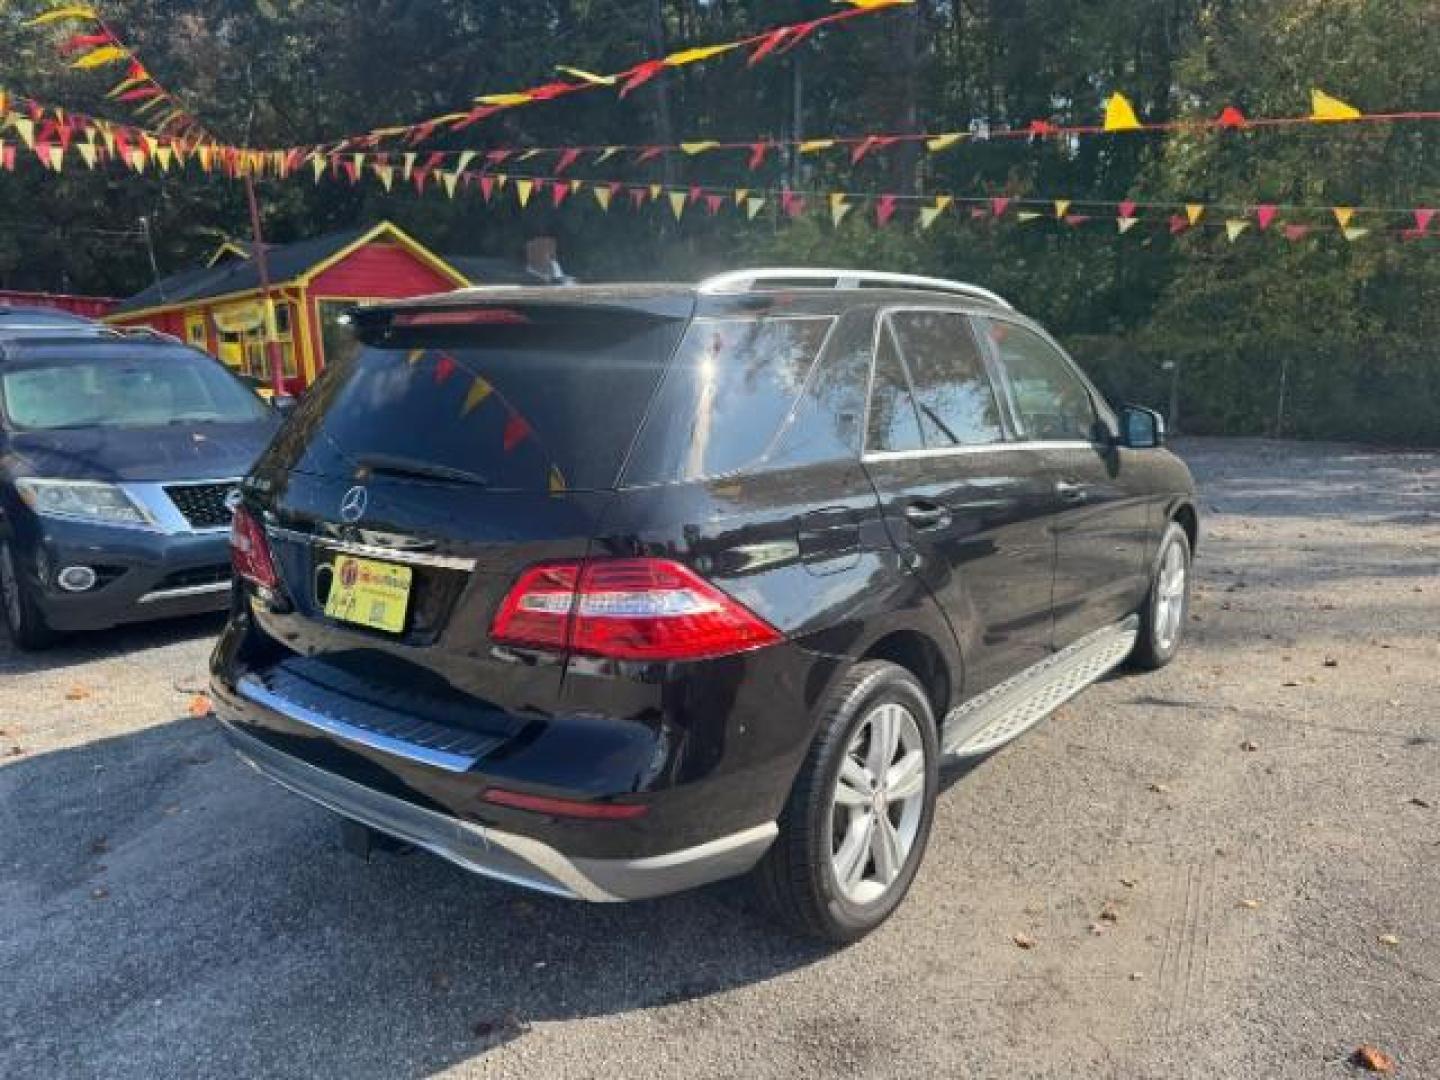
<point>396,465</point>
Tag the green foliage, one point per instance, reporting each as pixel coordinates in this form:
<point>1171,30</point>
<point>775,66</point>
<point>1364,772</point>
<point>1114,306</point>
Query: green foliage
<point>1352,327</point>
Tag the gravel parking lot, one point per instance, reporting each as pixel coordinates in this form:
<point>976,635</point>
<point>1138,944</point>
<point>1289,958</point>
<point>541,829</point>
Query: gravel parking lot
<point>1231,868</point>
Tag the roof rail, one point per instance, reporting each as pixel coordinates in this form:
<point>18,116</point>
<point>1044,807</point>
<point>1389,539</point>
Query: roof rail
<point>807,277</point>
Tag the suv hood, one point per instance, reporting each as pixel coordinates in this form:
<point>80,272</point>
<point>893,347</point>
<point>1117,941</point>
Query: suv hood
<point>181,452</point>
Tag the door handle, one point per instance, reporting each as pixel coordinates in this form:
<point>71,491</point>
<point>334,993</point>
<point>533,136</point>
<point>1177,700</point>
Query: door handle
<point>1071,492</point>
<point>927,515</point>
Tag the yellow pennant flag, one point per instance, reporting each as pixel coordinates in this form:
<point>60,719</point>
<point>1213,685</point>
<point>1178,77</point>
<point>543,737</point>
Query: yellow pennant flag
<point>677,204</point>
<point>106,54</point>
<point>164,155</point>
<point>1125,224</point>
<point>466,157</point>
<point>504,101</point>
<point>1344,215</point>
<point>26,128</point>
<point>1354,234</point>
<point>523,188</point>
<point>557,480</point>
<point>586,76</point>
<point>415,356</point>
<point>386,173</point>
<point>943,142</point>
<point>88,153</point>
<point>607,154</point>
<point>56,155</point>
<point>1325,107</point>
<point>602,196</point>
<point>814,146</point>
<point>1026,216</point>
<point>1194,212</point>
<point>137,159</point>
<point>575,186</point>
<point>1062,207</point>
<point>479,391</point>
<point>1234,227</point>
<point>929,214</point>
<point>703,52</point>
<point>693,148</point>
<point>407,166</point>
<point>655,190</point>
<point>741,194</point>
<point>450,180</point>
<point>753,206</point>
<point>839,207</point>
<point>1120,114</point>
<point>70,11</point>
<point>501,179</point>
<point>206,154</point>
<point>317,166</point>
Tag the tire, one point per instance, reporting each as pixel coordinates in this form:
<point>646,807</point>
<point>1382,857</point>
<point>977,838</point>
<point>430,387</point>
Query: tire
<point>799,880</point>
<point>21,614</point>
<point>1167,604</point>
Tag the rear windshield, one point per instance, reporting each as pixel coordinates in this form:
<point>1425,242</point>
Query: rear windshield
<point>532,407</point>
<point>118,391</point>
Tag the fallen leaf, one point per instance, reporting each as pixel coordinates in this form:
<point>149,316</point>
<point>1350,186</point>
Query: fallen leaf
<point>1129,882</point>
<point>1024,941</point>
<point>1388,939</point>
<point>1159,789</point>
<point>1136,976</point>
<point>15,751</point>
<point>200,706</point>
<point>78,693</point>
<point>1373,1058</point>
<point>1249,746</point>
<point>1290,682</point>
<point>1109,914</point>
<point>1420,803</point>
<point>1330,661</point>
<point>1251,904</point>
<point>1096,929</point>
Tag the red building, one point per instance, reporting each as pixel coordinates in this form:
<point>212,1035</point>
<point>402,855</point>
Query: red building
<point>219,308</point>
<point>91,307</point>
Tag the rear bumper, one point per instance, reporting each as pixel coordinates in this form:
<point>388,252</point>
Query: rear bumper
<point>504,856</point>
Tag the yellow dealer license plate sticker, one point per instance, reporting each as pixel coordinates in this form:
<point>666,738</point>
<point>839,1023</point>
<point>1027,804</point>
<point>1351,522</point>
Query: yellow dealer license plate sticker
<point>369,593</point>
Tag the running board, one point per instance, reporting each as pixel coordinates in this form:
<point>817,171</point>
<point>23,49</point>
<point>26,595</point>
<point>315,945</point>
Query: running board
<point>1007,711</point>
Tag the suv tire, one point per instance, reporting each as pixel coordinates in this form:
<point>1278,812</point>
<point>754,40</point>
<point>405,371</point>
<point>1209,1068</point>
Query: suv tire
<point>851,839</point>
<point>17,607</point>
<point>1167,604</point>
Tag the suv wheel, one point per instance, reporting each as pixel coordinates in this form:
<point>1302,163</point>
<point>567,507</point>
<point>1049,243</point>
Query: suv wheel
<point>855,827</point>
<point>22,616</point>
<point>1162,619</point>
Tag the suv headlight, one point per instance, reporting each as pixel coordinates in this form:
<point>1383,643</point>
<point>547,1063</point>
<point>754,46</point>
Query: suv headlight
<point>81,500</point>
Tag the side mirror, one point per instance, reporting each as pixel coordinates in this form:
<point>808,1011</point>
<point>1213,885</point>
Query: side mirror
<point>1141,428</point>
<point>284,405</point>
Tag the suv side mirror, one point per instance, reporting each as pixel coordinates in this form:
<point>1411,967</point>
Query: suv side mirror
<point>1141,428</point>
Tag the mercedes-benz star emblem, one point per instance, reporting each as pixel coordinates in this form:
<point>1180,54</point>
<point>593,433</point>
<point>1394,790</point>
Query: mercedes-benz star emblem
<point>352,507</point>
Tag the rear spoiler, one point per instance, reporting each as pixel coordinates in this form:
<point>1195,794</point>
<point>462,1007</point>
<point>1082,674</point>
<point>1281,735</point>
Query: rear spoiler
<point>509,306</point>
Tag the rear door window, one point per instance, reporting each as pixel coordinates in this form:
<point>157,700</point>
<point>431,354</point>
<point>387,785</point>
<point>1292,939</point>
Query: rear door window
<point>546,405</point>
<point>727,399</point>
<point>953,392</point>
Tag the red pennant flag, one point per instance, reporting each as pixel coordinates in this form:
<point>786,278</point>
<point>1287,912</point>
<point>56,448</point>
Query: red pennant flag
<point>516,431</point>
<point>1296,232</point>
<point>487,187</point>
<point>637,197</point>
<point>649,153</point>
<point>568,158</point>
<point>550,91</point>
<point>1178,224</point>
<point>7,157</point>
<point>444,368</point>
<point>641,74</point>
<point>1127,209</point>
<point>421,132</point>
<point>869,143</point>
<point>999,206</point>
<point>84,41</point>
<point>1232,118</point>
<point>1265,215</point>
<point>498,157</point>
<point>1043,128</point>
<point>1423,219</point>
<point>885,209</point>
<point>140,94</point>
<point>558,192</point>
<point>799,33</point>
<point>757,155</point>
<point>1076,220</point>
<point>713,203</point>
<point>351,171</point>
<point>694,195</point>
<point>772,41</point>
<point>792,204</point>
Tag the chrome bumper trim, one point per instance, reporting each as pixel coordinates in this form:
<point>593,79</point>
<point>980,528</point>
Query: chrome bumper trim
<point>159,596</point>
<point>375,551</point>
<point>507,857</point>
<point>252,690</point>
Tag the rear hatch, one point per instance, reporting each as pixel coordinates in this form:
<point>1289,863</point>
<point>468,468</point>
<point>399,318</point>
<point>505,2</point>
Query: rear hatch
<point>453,448</point>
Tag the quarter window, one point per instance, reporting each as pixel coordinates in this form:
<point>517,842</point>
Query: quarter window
<point>953,394</point>
<point>894,425</point>
<point>1051,401</point>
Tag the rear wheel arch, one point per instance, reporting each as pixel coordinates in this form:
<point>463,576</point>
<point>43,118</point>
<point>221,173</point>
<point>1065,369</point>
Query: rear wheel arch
<point>918,654</point>
<point>1185,516</point>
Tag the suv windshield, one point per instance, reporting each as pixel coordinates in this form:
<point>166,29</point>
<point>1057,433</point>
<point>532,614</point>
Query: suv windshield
<point>127,390</point>
<point>535,406</point>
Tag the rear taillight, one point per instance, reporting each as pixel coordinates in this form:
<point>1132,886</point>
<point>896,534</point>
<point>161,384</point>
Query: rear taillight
<point>626,609</point>
<point>249,551</point>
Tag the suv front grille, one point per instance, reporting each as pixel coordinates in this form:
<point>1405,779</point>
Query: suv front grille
<point>203,505</point>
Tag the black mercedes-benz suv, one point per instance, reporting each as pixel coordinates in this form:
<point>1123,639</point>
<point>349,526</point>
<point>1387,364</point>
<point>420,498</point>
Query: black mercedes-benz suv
<point>615,591</point>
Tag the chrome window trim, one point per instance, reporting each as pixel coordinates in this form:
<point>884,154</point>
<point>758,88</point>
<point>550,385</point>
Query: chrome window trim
<point>879,456</point>
<point>371,551</point>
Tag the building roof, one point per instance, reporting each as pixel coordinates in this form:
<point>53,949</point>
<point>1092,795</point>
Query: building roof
<point>287,262</point>
<point>491,270</point>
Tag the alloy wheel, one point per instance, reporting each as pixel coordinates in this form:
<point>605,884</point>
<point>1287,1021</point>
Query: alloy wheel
<point>1170,598</point>
<point>878,803</point>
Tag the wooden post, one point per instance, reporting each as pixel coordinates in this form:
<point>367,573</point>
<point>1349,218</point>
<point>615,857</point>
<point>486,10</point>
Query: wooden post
<point>262,266</point>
